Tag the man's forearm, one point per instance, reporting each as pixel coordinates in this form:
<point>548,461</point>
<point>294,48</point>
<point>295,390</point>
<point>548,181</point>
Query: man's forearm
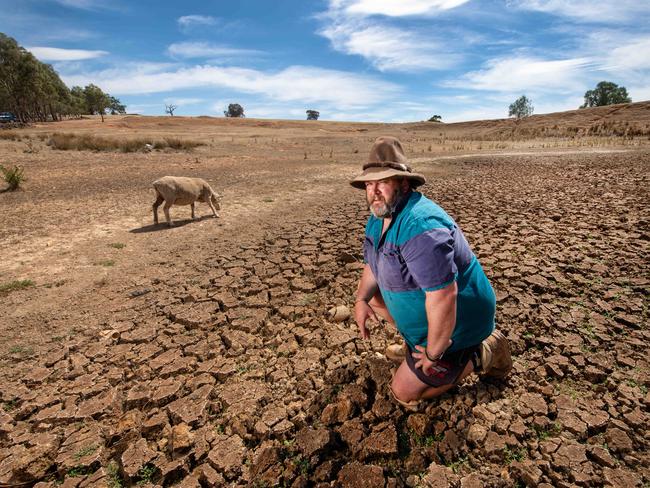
<point>367,285</point>
<point>441,318</point>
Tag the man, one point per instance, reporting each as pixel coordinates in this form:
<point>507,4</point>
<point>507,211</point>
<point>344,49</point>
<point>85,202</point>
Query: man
<point>421,275</point>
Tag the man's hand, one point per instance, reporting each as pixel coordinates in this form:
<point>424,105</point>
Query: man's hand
<point>422,361</point>
<point>362,313</point>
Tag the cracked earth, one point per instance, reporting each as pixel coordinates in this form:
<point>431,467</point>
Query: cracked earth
<point>221,352</point>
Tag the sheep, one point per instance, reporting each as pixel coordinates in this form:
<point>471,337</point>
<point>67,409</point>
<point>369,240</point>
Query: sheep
<point>179,190</point>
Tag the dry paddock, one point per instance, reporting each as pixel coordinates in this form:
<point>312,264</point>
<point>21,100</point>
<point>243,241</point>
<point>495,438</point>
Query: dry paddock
<point>203,355</point>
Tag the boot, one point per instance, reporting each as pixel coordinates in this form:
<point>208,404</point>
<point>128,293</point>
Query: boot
<point>496,361</point>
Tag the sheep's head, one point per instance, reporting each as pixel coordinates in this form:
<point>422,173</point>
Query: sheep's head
<point>215,197</point>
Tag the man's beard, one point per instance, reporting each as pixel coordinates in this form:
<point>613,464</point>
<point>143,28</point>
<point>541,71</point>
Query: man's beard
<point>386,209</point>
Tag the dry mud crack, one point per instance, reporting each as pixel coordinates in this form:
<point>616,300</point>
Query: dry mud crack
<point>223,368</point>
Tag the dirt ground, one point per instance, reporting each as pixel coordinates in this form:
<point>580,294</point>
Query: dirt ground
<point>204,354</point>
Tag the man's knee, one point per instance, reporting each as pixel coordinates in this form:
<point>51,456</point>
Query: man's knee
<point>401,391</point>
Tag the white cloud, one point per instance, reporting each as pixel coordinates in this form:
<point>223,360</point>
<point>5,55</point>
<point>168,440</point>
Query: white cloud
<point>639,93</point>
<point>192,20</point>
<point>588,10</point>
<point>296,83</point>
<point>58,54</point>
<point>394,8</point>
<point>182,102</point>
<point>520,74</point>
<point>386,46</point>
<point>207,50</point>
<point>82,4</point>
<point>389,48</point>
<point>633,56</point>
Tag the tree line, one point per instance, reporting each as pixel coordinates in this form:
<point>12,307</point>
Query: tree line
<point>33,91</point>
<point>605,93</point>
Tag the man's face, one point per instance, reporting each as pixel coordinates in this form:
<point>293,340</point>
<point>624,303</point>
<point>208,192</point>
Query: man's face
<point>382,195</point>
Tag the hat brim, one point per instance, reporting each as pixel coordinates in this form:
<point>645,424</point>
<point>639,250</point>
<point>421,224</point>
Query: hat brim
<point>376,174</point>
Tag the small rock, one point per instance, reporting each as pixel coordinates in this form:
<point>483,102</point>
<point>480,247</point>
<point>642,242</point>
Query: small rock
<point>340,313</point>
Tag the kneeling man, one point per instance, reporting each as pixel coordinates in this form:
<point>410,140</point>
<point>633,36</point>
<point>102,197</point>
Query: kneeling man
<point>421,276</point>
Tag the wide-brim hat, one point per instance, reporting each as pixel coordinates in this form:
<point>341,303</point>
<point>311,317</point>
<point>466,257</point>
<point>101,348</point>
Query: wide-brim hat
<point>386,160</point>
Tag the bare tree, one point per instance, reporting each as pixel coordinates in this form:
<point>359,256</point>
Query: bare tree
<point>169,109</point>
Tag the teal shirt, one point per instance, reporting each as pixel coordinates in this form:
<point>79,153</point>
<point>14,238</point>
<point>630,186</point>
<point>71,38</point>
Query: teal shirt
<point>423,250</point>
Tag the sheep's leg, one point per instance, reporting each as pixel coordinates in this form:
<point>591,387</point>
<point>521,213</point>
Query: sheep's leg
<point>193,215</point>
<point>166,208</point>
<point>214,211</point>
<point>155,206</point>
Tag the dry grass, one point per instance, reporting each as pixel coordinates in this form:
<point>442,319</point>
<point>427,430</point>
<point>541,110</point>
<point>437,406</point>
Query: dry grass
<point>87,142</point>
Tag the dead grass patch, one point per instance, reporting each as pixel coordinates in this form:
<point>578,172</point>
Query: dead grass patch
<point>87,142</point>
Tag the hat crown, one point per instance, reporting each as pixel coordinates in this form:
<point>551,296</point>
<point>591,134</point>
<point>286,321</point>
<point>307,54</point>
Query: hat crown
<point>387,160</point>
<point>387,149</point>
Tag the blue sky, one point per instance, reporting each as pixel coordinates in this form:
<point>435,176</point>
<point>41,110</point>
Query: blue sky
<point>358,60</point>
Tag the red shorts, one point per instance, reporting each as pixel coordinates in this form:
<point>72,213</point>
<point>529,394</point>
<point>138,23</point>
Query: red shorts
<point>446,370</point>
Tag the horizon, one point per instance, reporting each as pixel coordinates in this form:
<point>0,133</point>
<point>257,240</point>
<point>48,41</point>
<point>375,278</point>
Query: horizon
<point>352,60</point>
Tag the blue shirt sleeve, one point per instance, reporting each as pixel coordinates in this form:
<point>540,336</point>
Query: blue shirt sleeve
<point>429,257</point>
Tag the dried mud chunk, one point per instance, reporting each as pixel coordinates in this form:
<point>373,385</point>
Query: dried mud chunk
<point>527,472</point>
<point>28,463</point>
<point>174,470</point>
<point>138,395</point>
<point>313,441</point>
<point>532,404</point>
<point>182,438</point>
<point>274,414</point>
<point>243,397</point>
<point>476,434</point>
<point>620,478</point>
<point>569,456</point>
<point>352,433</point>
<point>267,466</point>
<point>381,442</point>
<point>193,315</point>
<point>191,409</point>
<point>165,358</point>
<point>439,477</point>
<point>84,447</point>
<point>37,375</point>
<point>107,403</point>
<point>382,407</point>
<point>165,391</point>
<point>227,455</point>
<point>379,371</point>
<point>336,413</point>
<point>601,456</point>
<point>179,366</point>
<point>618,440</point>
<point>338,337</point>
<point>137,456</point>
<point>357,475</point>
<point>451,445</point>
<point>208,476</point>
<point>419,424</point>
<point>307,360</point>
<point>140,334</point>
<point>237,341</point>
<point>495,444</point>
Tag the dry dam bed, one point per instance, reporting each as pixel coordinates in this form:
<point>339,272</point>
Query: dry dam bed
<point>213,361</point>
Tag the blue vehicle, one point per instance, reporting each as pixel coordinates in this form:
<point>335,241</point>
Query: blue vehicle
<point>7,117</point>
